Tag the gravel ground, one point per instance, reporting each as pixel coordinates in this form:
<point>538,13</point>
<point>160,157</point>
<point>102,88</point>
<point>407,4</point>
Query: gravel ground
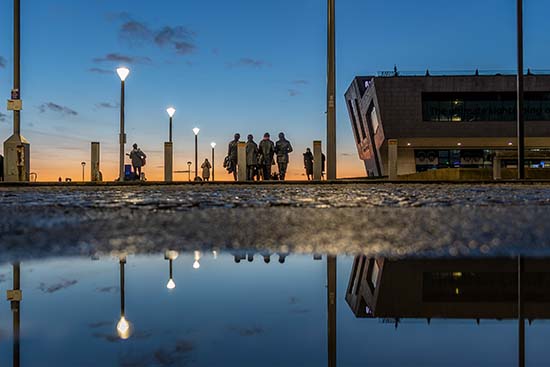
<point>394,220</point>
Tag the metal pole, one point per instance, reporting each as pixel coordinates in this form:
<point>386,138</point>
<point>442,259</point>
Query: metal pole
<point>170,261</point>
<point>520,96</point>
<point>196,155</point>
<point>122,133</point>
<point>122,305</point>
<point>16,313</point>
<point>17,62</point>
<point>331,92</point>
<point>331,310</point>
<point>213,163</point>
<point>521,319</point>
<point>170,136</point>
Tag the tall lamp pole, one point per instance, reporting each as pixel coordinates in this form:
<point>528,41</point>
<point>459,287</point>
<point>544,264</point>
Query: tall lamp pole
<point>169,149</point>
<point>331,91</point>
<point>123,74</point>
<point>171,111</point>
<point>83,168</point>
<point>213,145</point>
<point>520,96</point>
<point>196,132</point>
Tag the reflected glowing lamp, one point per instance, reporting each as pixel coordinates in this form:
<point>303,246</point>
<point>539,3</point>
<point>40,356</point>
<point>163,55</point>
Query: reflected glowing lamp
<point>196,264</point>
<point>171,284</point>
<point>123,328</point>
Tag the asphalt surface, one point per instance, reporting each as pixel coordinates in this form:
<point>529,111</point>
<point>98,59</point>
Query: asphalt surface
<point>388,219</point>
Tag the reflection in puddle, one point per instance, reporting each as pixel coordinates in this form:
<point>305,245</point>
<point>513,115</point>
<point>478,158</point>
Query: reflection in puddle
<point>243,309</point>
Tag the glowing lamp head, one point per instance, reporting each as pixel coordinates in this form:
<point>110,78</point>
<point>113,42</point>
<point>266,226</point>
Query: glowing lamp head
<point>171,111</point>
<point>196,264</point>
<point>213,145</point>
<point>196,130</point>
<point>171,284</point>
<point>123,73</point>
<point>123,328</point>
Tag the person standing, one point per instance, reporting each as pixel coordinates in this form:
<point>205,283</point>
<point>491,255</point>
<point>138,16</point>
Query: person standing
<point>282,149</point>
<point>233,155</point>
<point>138,160</point>
<point>308,163</point>
<point>267,151</point>
<point>251,158</point>
<point>206,170</point>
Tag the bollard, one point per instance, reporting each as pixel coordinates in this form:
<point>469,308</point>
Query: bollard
<point>317,160</point>
<point>241,162</point>
<point>95,174</point>
<point>168,161</point>
<point>392,159</point>
<point>497,168</point>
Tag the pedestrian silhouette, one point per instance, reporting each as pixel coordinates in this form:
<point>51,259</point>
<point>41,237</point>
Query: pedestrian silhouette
<point>282,149</point>
<point>206,170</point>
<point>308,163</point>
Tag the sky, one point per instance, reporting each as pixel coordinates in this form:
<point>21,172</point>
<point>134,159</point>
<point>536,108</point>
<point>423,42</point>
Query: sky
<point>243,66</point>
<point>223,313</point>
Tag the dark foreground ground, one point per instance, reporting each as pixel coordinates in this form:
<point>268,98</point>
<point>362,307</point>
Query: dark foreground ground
<point>385,219</point>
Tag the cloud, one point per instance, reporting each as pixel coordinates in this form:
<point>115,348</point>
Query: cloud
<point>56,287</point>
<point>100,324</point>
<point>300,82</point>
<point>3,62</point>
<point>116,58</point>
<point>100,71</point>
<point>3,117</point>
<point>249,62</point>
<point>54,107</point>
<point>176,355</point>
<point>178,38</point>
<point>293,92</point>
<point>107,105</point>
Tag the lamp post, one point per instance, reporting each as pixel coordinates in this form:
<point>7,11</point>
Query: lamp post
<point>15,297</point>
<point>196,132</point>
<point>123,326</point>
<point>197,264</point>
<point>189,170</point>
<point>213,145</point>
<point>171,256</point>
<point>122,74</point>
<point>169,149</point>
<point>83,167</point>
<point>331,91</point>
<point>520,94</point>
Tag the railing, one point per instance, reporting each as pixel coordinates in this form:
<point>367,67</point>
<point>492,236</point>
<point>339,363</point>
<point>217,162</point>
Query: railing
<point>395,72</point>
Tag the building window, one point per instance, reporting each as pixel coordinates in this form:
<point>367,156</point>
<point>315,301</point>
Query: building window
<point>374,119</point>
<point>354,122</point>
<point>497,106</point>
<point>361,123</point>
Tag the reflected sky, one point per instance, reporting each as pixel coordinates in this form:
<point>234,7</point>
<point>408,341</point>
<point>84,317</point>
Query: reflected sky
<point>229,314</point>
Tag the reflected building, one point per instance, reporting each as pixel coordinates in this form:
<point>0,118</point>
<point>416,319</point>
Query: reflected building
<point>448,288</point>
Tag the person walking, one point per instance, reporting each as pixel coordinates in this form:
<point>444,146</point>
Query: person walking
<point>251,158</point>
<point>282,149</point>
<point>138,160</point>
<point>233,155</point>
<point>308,164</point>
<point>267,151</point>
<point>206,170</point>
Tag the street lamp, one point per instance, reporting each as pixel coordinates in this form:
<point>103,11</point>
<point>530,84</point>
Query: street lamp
<point>171,111</point>
<point>123,326</point>
<point>189,170</point>
<point>83,167</point>
<point>213,145</point>
<point>171,256</point>
<point>331,92</point>
<point>196,131</point>
<point>169,149</point>
<point>122,74</point>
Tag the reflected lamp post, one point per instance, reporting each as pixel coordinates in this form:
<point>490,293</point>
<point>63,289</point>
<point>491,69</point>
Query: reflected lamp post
<point>213,145</point>
<point>197,264</point>
<point>15,296</point>
<point>122,74</point>
<point>171,256</point>
<point>123,326</point>
<point>196,132</point>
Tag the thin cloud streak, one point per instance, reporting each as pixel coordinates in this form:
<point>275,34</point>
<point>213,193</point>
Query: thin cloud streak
<point>249,62</point>
<point>101,71</point>
<point>54,107</point>
<point>119,58</point>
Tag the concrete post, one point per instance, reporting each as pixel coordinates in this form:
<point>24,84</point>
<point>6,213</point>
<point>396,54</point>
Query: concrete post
<point>95,174</point>
<point>497,168</point>
<point>168,161</point>
<point>392,159</point>
<point>317,160</point>
<point>241,161</point>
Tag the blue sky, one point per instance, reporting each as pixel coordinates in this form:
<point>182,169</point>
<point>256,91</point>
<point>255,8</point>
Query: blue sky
<point>247,66</point>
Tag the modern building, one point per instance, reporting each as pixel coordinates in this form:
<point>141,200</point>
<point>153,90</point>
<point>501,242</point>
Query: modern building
<point>448,288</point>
<point>416,123</point>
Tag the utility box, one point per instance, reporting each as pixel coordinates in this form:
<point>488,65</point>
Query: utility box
<point>95,170</point>
<point>17,154</point>
<point>317,160</point>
